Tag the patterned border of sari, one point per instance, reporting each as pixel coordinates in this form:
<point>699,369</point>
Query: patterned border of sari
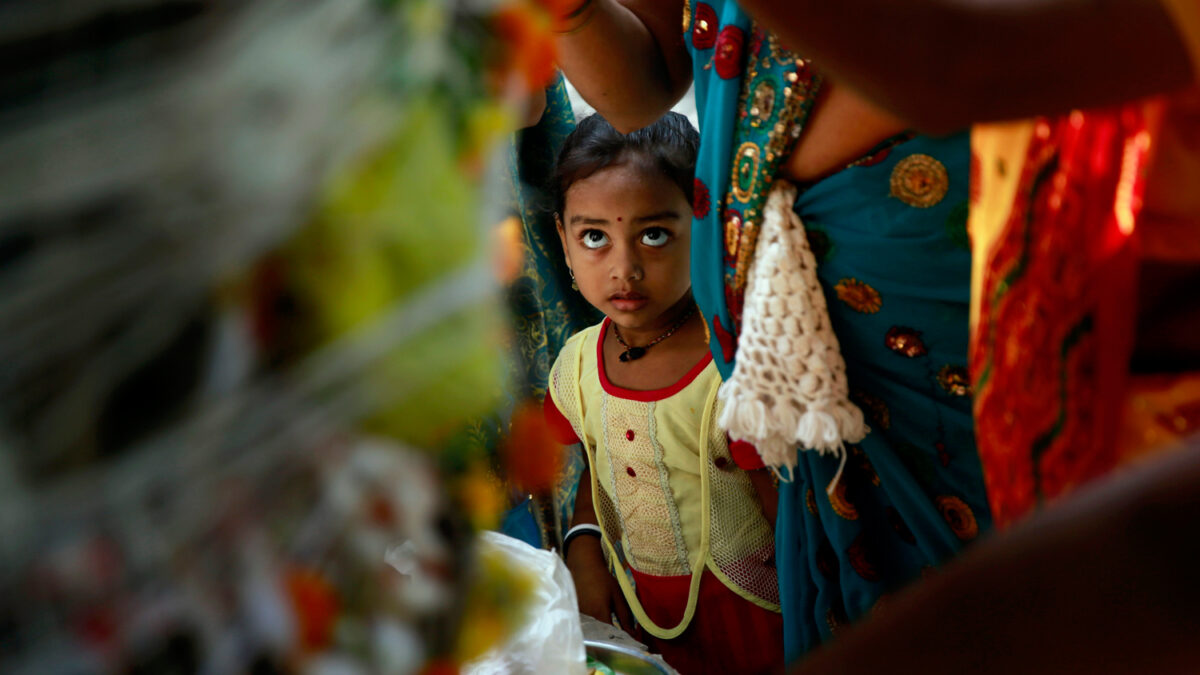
<point>1055,298</point>
<point>543,308</point>
<point>769,92</point>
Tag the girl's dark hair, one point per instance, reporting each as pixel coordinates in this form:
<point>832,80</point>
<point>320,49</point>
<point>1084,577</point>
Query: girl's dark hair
<point>670,143</point>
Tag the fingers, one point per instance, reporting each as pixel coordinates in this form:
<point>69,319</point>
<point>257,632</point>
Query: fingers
<point>621,608</point>
<point>599,607</point>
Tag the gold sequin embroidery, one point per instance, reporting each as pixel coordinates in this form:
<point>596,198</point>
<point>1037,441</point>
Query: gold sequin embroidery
<point>954,380</point>
<point>959,517</point>
<point>745,171</point>
<point>733,231</point>
<point>905,341</point>
<point>762,105</point>
<point>859,295</point>
<point>746,245</point>
<point>874,408</point>
<point>840,504</point>
<point>776,104</point>
<point>920,181</point>
<point>781,55</point>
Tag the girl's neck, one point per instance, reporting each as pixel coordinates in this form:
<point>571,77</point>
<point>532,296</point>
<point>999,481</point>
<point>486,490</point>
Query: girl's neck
<point>674,317</point>
<point>662,365</point>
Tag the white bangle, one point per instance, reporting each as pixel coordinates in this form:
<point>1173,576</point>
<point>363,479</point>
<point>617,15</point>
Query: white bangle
<point>577,530</point>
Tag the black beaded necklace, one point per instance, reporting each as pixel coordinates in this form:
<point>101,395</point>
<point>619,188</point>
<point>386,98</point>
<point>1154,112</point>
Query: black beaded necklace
<point>635,353</point>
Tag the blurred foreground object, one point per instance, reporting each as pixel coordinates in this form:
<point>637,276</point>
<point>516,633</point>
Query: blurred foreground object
<point>247,300</point>
<point>548,638</point>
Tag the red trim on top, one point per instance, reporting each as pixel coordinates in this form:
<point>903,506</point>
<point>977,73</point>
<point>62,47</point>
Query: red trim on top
<point>745,454</point>
<point>647,394</point>
<point>560,427</point>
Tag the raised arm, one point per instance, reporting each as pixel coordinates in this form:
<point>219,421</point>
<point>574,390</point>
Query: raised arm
<point>943,64</point>
<point>627,59</point>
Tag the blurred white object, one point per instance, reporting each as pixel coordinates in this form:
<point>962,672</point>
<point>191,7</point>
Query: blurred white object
<point>397,648</point>
<point>551,640</point>
<point>610,645</point>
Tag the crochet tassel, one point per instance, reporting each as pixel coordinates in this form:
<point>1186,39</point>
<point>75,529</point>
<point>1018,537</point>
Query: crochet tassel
<point>788,389</point>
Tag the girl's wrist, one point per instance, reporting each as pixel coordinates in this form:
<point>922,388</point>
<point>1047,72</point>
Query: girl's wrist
<point>581,530</point>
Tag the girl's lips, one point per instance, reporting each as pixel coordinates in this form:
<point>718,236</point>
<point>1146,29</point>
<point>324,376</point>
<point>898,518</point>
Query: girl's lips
<point>629,303</point>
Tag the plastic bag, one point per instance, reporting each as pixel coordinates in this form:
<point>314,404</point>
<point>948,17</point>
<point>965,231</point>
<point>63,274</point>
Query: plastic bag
<point>550,640</point>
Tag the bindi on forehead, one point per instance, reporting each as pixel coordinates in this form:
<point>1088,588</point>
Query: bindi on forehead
<point>619,219</point>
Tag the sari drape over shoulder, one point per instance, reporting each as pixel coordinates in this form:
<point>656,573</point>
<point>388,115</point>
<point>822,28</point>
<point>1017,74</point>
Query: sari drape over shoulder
<point>888,234</point>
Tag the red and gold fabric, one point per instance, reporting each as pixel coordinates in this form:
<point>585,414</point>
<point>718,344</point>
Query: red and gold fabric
<point>1067,214</point>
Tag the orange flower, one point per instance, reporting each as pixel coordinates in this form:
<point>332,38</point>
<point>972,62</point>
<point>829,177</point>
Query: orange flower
<point>509,253</point>
<point>559,8</point>
<point>481,497</point>
<point>528,44</point>
<point>532,458</point>
<point>859,295</point>
<point>315,603</point>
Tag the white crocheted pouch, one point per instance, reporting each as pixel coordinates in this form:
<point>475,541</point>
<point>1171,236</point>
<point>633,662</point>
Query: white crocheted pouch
<point>788,389</point>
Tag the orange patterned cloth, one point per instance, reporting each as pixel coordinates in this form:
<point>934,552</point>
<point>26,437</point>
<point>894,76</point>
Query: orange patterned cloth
<point>1055,289</point>
<point>1064,211</point>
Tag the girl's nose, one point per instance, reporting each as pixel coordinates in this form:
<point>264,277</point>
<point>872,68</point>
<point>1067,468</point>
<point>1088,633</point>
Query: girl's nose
<point>627,267</point>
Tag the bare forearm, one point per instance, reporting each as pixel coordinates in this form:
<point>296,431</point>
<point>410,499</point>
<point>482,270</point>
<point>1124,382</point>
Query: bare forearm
<point>1099,584</point>
<point>943,64</point>
<point>584,511</point>
<point>628,60</point>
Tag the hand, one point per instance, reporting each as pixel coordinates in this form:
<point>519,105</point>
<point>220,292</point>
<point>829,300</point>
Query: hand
<point>599,594</point>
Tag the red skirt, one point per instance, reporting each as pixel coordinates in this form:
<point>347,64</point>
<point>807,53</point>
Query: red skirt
<point>728,634</point>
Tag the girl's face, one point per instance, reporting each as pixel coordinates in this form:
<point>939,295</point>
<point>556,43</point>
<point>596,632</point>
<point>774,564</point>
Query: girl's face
<point>626,232</point>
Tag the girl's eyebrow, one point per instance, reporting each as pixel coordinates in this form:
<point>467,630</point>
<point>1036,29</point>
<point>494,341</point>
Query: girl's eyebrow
<point>668,214</point>
<point>587,220</point>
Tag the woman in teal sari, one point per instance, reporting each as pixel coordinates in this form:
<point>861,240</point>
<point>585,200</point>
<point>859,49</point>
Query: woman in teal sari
<point>885,215</point>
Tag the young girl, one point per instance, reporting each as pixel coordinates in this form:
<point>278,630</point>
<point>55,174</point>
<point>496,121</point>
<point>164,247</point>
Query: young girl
<point>684,515</point>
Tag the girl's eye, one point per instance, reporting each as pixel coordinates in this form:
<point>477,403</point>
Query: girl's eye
<point>594,239</point>
<point>656,237</point>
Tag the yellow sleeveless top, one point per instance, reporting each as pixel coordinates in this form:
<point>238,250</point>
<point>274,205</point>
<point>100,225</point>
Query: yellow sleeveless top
<point>669,497</point>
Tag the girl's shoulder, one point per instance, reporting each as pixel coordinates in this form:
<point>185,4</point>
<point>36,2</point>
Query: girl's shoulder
<point>577,341</point>
<point>570,370</point>
<point>584,340</point>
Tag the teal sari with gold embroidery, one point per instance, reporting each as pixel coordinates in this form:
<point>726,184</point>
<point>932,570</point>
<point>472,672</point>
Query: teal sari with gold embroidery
<point>889,235</point>
<point>544,310</point>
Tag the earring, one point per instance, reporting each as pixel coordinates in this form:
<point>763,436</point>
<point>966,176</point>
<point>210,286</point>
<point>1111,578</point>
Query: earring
<point>574,286</point>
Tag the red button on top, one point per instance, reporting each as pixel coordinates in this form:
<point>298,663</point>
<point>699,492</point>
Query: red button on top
<point>629,470</point>
<point>629,435</point>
